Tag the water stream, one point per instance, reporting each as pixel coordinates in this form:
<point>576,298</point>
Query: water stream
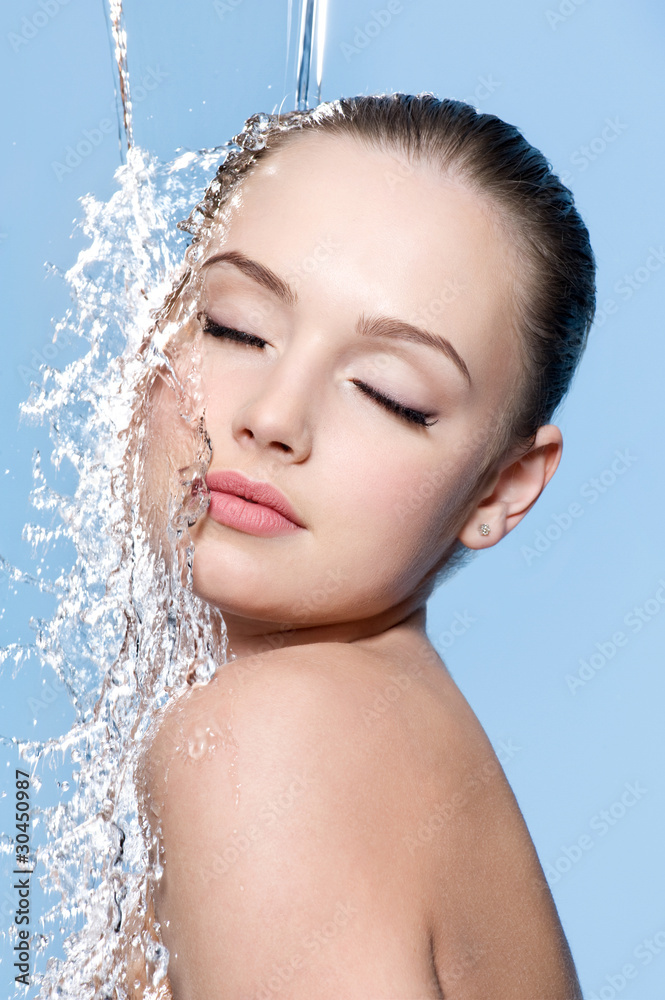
<point>127,628</point>
<point>127,633</point>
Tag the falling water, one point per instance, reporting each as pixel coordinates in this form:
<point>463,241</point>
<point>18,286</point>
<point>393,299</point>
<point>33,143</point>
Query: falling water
<point>128,633</point>
<point>313,16</point>
<point>127,629</point>
<point>118,34</point>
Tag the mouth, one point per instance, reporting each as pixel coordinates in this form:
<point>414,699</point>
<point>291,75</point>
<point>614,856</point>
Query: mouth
<point>257,508</point>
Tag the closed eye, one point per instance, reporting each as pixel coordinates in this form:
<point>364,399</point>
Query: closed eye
<point>405,412</point>
<point>229,333</point>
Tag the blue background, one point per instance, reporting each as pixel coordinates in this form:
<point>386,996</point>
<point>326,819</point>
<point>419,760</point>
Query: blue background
<point>556,590</point>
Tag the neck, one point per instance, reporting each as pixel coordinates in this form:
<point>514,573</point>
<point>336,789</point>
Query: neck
<point>251,638</point>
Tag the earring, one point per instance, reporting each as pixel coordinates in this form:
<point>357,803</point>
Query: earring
<point>484,529</point>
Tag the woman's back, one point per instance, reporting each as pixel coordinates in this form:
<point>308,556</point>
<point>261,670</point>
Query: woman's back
<point>335,823</point>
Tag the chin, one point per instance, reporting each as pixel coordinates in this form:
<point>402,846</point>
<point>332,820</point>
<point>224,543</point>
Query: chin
<point>283,590</point>
<point>234,592</point>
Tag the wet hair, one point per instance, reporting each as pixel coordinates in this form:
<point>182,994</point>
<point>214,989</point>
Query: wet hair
<point>554,265</point>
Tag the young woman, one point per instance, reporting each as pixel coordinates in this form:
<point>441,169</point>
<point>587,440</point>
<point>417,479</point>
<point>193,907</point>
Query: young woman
<point>385,303</point>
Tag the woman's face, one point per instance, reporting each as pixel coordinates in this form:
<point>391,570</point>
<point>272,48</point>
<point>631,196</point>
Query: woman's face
<point>357,276</point>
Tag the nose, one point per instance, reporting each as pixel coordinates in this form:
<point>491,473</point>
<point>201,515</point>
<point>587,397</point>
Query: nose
<point>278,416</point>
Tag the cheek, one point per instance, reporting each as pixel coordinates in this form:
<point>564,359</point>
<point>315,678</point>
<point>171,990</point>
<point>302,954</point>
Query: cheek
<point>406,493</point>
<point>387,502</point>
<point>226,385</point>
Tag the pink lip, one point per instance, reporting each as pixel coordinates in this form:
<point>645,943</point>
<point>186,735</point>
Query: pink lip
<point>267,513</point>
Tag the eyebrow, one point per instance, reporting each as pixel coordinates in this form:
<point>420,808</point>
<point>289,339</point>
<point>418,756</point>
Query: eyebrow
<point>258,272</point>
<point>399,329</point>
<point>373,326</point>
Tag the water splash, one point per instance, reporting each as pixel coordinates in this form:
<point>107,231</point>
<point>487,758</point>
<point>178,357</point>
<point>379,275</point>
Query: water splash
<point>128,633</point>
<point>127,627</point>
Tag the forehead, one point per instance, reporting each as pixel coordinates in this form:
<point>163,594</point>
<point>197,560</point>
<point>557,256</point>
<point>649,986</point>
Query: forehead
<point>387,236</point>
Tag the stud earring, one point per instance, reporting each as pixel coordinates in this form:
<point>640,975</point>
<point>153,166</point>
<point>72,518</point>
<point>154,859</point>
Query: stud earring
<point>484,529</point>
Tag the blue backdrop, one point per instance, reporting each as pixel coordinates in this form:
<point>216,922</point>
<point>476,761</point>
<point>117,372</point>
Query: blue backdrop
<point>556,635</point>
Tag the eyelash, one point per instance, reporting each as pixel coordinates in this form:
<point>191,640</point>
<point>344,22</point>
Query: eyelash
<point>230,334</point>
<point>404,412</point>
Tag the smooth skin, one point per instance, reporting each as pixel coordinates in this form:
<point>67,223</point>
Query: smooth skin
<point>333,821</point>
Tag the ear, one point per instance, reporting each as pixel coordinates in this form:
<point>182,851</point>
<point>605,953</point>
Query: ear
<point>513,490</point>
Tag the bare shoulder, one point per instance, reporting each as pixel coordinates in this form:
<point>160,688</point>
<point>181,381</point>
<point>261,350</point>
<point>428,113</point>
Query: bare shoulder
<point>329,786</point>
<point>495,928</point>
<point>494,925</point>
<point>328,717</point>
<point>282,795</point>
<point>299,701</point>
